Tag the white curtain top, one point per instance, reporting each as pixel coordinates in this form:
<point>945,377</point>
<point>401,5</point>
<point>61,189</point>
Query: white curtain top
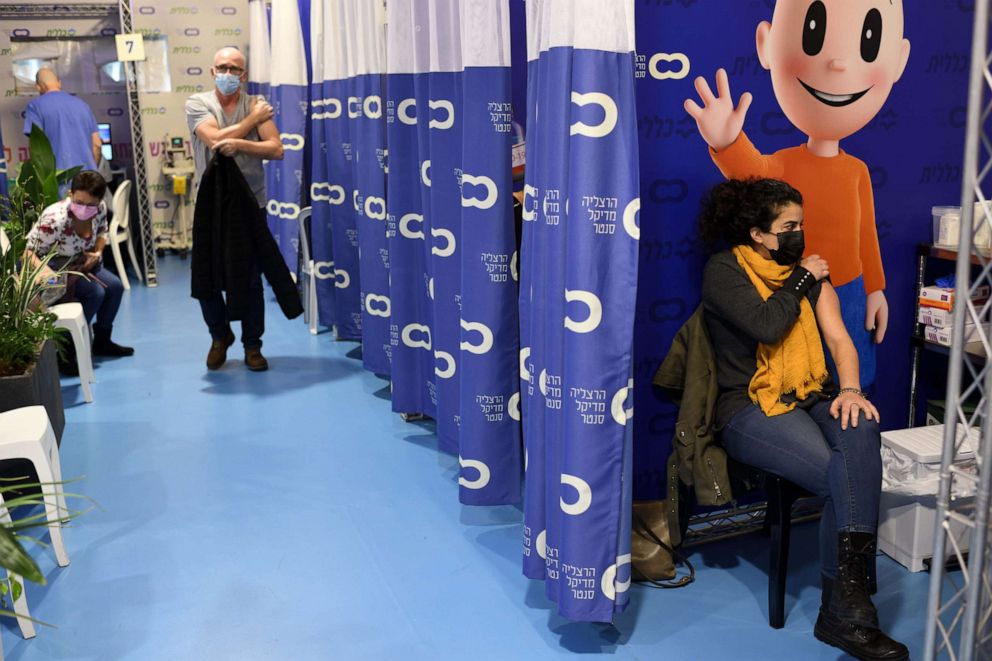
<point>448,35</point>
<point>606,25</point>
<point>289,63</point>
<point>258,45</point>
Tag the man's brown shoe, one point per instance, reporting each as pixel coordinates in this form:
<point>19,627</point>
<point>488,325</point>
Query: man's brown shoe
<point>218,352</point>
<point>255,360</point>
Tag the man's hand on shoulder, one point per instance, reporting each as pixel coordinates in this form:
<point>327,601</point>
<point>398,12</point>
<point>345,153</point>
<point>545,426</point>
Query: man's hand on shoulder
<point>261,111</point>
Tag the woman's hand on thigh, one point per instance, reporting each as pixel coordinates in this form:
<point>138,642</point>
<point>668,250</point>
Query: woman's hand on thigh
<point>849,406</point>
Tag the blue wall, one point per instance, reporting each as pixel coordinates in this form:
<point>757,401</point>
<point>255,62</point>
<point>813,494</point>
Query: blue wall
<point>914,150</point>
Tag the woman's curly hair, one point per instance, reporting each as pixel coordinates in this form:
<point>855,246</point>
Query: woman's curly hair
<point>731,209</point>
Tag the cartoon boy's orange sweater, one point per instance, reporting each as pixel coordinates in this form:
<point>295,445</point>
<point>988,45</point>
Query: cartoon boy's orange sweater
<point>838,205</point>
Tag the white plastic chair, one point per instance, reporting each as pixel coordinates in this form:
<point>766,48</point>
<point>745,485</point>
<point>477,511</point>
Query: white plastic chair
<point>26,433</point>
<point>70,316</point>
<point>119,232</point>
<point>308,270</point>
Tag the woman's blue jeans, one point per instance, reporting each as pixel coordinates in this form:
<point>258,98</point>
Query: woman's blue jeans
<point>810,449</point>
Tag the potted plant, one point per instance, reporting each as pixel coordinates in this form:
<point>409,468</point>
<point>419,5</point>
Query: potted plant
<point>28,368</point>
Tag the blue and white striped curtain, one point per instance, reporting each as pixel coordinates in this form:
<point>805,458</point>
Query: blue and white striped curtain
<point>579,268</point>
<point>365,34</point>
<point>334,234</point>
<point>288,95</point>
<point>452,244</point>
<point>259,53</point>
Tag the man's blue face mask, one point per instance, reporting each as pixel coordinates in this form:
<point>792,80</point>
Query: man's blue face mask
<point>227,83</point>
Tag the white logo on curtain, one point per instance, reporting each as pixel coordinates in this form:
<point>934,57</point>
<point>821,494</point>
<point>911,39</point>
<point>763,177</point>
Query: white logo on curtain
<point>430,288</point>
<point>292,141</point>
<point>530,194</point>
<point>610,115</point>
<point>492,194</point>
<point>487,338</point>
<point>333,113</point>
<point>630,219</point>
<point>620,414</point>
<point>542,544</point>
<point>484,474</point>
<point>326,271</point>
<point>425,172</point>
<point>373,107</point>
<point>327,192</point>
<point>354,107</point>
<point>608,583</point>
<point>449,239</point>
<point>449,364</point>
<point>514,271</point>
<point>286,210</point>
<point>584,492</point>
<point>591,301</point>
<point>370,208</point>
<point>513,408</point>
<point>542,382</point>
<point>524,357</point>
<point>449,110</point>
<point>403,111</point>
<point>405,226</point>
<point>385,161</point>
<point>377,306</point>
<point>671,74</point>
<point>408,339</point>
<point>354,200</point>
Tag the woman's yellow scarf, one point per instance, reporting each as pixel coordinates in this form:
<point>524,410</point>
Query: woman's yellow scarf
<point>794,364</point>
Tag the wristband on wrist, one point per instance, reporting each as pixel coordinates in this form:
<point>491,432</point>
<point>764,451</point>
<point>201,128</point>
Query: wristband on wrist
<point>856,391</point>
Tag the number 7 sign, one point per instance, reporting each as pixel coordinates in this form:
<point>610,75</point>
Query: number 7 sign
<point>130,47</point>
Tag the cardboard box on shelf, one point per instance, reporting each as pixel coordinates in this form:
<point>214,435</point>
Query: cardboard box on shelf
<point>943,297</point>
<point>943,336</point>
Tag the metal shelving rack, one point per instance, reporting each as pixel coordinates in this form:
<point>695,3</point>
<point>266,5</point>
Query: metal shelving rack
<point>959,620</point>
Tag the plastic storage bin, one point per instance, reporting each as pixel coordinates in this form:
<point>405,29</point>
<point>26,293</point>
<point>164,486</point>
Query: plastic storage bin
<point>908,506</point>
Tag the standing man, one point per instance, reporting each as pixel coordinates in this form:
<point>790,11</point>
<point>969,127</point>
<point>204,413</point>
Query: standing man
<point>228,121</point>
<point>68,122</point>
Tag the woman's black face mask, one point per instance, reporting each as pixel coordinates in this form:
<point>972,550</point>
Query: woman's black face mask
<point>791,246</point>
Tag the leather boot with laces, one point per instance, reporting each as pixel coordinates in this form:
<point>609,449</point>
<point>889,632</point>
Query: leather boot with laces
<point>865,643</point>
<point>850,600</point>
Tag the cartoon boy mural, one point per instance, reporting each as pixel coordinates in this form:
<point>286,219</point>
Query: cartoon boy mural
<point>833,64</point>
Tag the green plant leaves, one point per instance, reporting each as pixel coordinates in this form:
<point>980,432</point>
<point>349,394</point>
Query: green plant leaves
<point>42,155</point>
<point>14,558</point>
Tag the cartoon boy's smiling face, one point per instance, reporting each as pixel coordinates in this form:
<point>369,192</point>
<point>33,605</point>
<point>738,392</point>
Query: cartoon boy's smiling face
<point>833,62</point>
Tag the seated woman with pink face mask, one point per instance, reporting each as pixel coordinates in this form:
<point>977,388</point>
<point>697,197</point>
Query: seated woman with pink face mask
<point>74,232</point>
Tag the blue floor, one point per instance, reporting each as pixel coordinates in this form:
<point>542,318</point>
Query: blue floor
<point>290,515</point>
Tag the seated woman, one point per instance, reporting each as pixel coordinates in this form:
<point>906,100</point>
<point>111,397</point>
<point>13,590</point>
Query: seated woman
<point>74,231</point>
<point>765,309</point>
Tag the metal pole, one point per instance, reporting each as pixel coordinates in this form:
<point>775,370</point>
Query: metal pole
<point>138,144</point>
<point>976,95</point>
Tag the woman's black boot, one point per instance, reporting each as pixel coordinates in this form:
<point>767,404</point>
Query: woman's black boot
<point>865,643</point>
<point>849,599</point>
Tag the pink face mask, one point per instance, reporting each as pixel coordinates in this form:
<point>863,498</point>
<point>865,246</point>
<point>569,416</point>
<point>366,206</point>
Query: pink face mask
<point>83,211</point>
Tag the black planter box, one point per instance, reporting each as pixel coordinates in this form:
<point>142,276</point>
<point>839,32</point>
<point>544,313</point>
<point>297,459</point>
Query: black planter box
<point>40,386</point>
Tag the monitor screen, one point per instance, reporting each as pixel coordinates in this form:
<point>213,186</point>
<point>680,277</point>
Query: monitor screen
<point>104,131</point>
<point>108,152</point>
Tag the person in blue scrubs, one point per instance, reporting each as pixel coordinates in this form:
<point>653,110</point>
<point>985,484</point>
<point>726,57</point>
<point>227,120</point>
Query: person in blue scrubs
<point>68,122</point>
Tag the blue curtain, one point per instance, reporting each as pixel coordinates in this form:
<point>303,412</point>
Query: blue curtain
<point>288,95</point>
<point>334,235</point>
<point>362,98</point>
<point>579,267</point>
<point>452,243</point>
